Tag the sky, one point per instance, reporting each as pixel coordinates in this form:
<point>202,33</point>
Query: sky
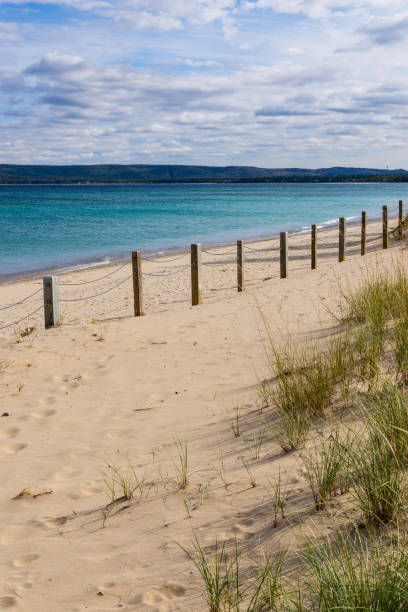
<point>270,83</point>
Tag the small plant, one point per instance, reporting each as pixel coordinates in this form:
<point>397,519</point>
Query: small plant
<point>105,514</point>
<point>221,470</point>
<point>182,464</point>
<point>293,430</point>
<point>124,481</point>
<point>255,443</point>
<point>252,480</point>
<point>326,470</point>
<point>264,394</point>
<point>220,574</point>
<point>235,423</point>
<point>268,593</point>
<point>187,507</point>
<point>278,495</point>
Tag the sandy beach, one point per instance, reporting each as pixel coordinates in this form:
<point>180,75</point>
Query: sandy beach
<point>107,389</point>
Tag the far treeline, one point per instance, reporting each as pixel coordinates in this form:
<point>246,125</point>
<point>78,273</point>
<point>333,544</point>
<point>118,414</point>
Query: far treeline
<point>140,173</point>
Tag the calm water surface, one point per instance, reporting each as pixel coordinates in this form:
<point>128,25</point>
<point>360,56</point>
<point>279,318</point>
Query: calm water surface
<point>55,226</point>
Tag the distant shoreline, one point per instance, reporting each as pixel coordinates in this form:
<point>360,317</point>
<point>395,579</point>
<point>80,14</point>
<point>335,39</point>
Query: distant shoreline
<point>297,181</point>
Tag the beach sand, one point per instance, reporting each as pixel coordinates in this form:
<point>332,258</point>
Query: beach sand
<point>108,389</point>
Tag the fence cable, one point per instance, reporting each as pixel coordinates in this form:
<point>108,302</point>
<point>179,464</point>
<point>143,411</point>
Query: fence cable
<point>169,273</point>
<point>233,250</point>
<point>95,280</point>
<point>89,297</point>
<point>160,260</point>
<point>22,318</point>
<point>21,301</point>
<point>258,250</point>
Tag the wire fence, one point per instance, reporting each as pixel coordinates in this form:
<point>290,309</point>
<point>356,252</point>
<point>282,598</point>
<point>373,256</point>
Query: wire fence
<point>273,251</point>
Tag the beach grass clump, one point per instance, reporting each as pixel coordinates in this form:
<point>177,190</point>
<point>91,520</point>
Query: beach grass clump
<point>255,441</point>
<point>228,588</point>
<point>379,484</point>
<point>304,381</point>
<point>350,573</point>
<point>278,497</point>
<point>399,347</point>
<point>326,469</point>
<point>220,574</point>
<point>369,348</point>
<point>123,482</point>
<point>293,429</point>
<point>371,301</point>
<point>385,410</point>
<point>268,592</point>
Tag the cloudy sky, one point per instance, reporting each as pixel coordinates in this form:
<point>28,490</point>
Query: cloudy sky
<point>272,83</point>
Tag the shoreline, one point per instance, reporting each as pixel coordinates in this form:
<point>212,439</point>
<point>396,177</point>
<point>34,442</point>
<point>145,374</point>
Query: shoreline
<point>110,262</point>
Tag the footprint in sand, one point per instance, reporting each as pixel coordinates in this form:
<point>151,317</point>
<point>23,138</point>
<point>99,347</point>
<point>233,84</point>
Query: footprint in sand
<point>7,602</point>
<point>66,473</point>
<point>25,559</point>
<point>161,594</point>
<point>43,414</point>
<point>11,449</point>
<point>52,523</point>
<point>12,534</point>
<point>90,488</point>
<point>80,451</point>
<point>119,433</point>
<point>11,432</point>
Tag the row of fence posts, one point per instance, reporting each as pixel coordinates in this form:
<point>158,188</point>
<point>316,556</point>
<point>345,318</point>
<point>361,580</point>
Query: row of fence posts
<point>50,283</point>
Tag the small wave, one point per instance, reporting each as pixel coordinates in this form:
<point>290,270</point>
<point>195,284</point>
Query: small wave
<point>92,264</point>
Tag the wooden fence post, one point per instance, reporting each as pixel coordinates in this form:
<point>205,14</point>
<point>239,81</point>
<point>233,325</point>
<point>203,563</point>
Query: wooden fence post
<point>196,297</point>
<point>137,283</point>
<point>363,232</point>
<point>240,266</point>
<point>283,254</point>
<point>314,246</point>
<point>385,227</point>
<point>342,238</point>
<point>51,301</point>
<point>400,215</point>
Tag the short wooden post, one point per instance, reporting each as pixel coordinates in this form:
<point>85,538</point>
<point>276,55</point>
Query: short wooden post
<point>137,283</point>
<point>240,266</point>
<point>342,238</point>
<point>385,227</point>
<point>363,232</point>
<point>51,301</point>
<point>400,214</point>
<point>196,297</point>
<point>314,247</point>
<point>283,254</point>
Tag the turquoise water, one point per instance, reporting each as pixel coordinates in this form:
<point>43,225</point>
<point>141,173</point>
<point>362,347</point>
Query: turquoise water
<point>43,227</point>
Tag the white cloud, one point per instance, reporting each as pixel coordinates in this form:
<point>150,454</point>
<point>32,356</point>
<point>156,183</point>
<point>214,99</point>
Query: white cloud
<point>264,88</point>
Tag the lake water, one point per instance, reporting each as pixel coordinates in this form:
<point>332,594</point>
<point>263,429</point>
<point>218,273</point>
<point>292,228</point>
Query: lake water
<point>44,227</point>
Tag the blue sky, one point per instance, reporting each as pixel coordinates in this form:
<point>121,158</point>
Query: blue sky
<point>272,83</point>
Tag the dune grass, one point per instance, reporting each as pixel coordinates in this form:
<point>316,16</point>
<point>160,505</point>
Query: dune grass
<point>326,469</point>
<point>351,573</point>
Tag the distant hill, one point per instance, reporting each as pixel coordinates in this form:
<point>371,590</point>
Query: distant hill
<point>141,173</point>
